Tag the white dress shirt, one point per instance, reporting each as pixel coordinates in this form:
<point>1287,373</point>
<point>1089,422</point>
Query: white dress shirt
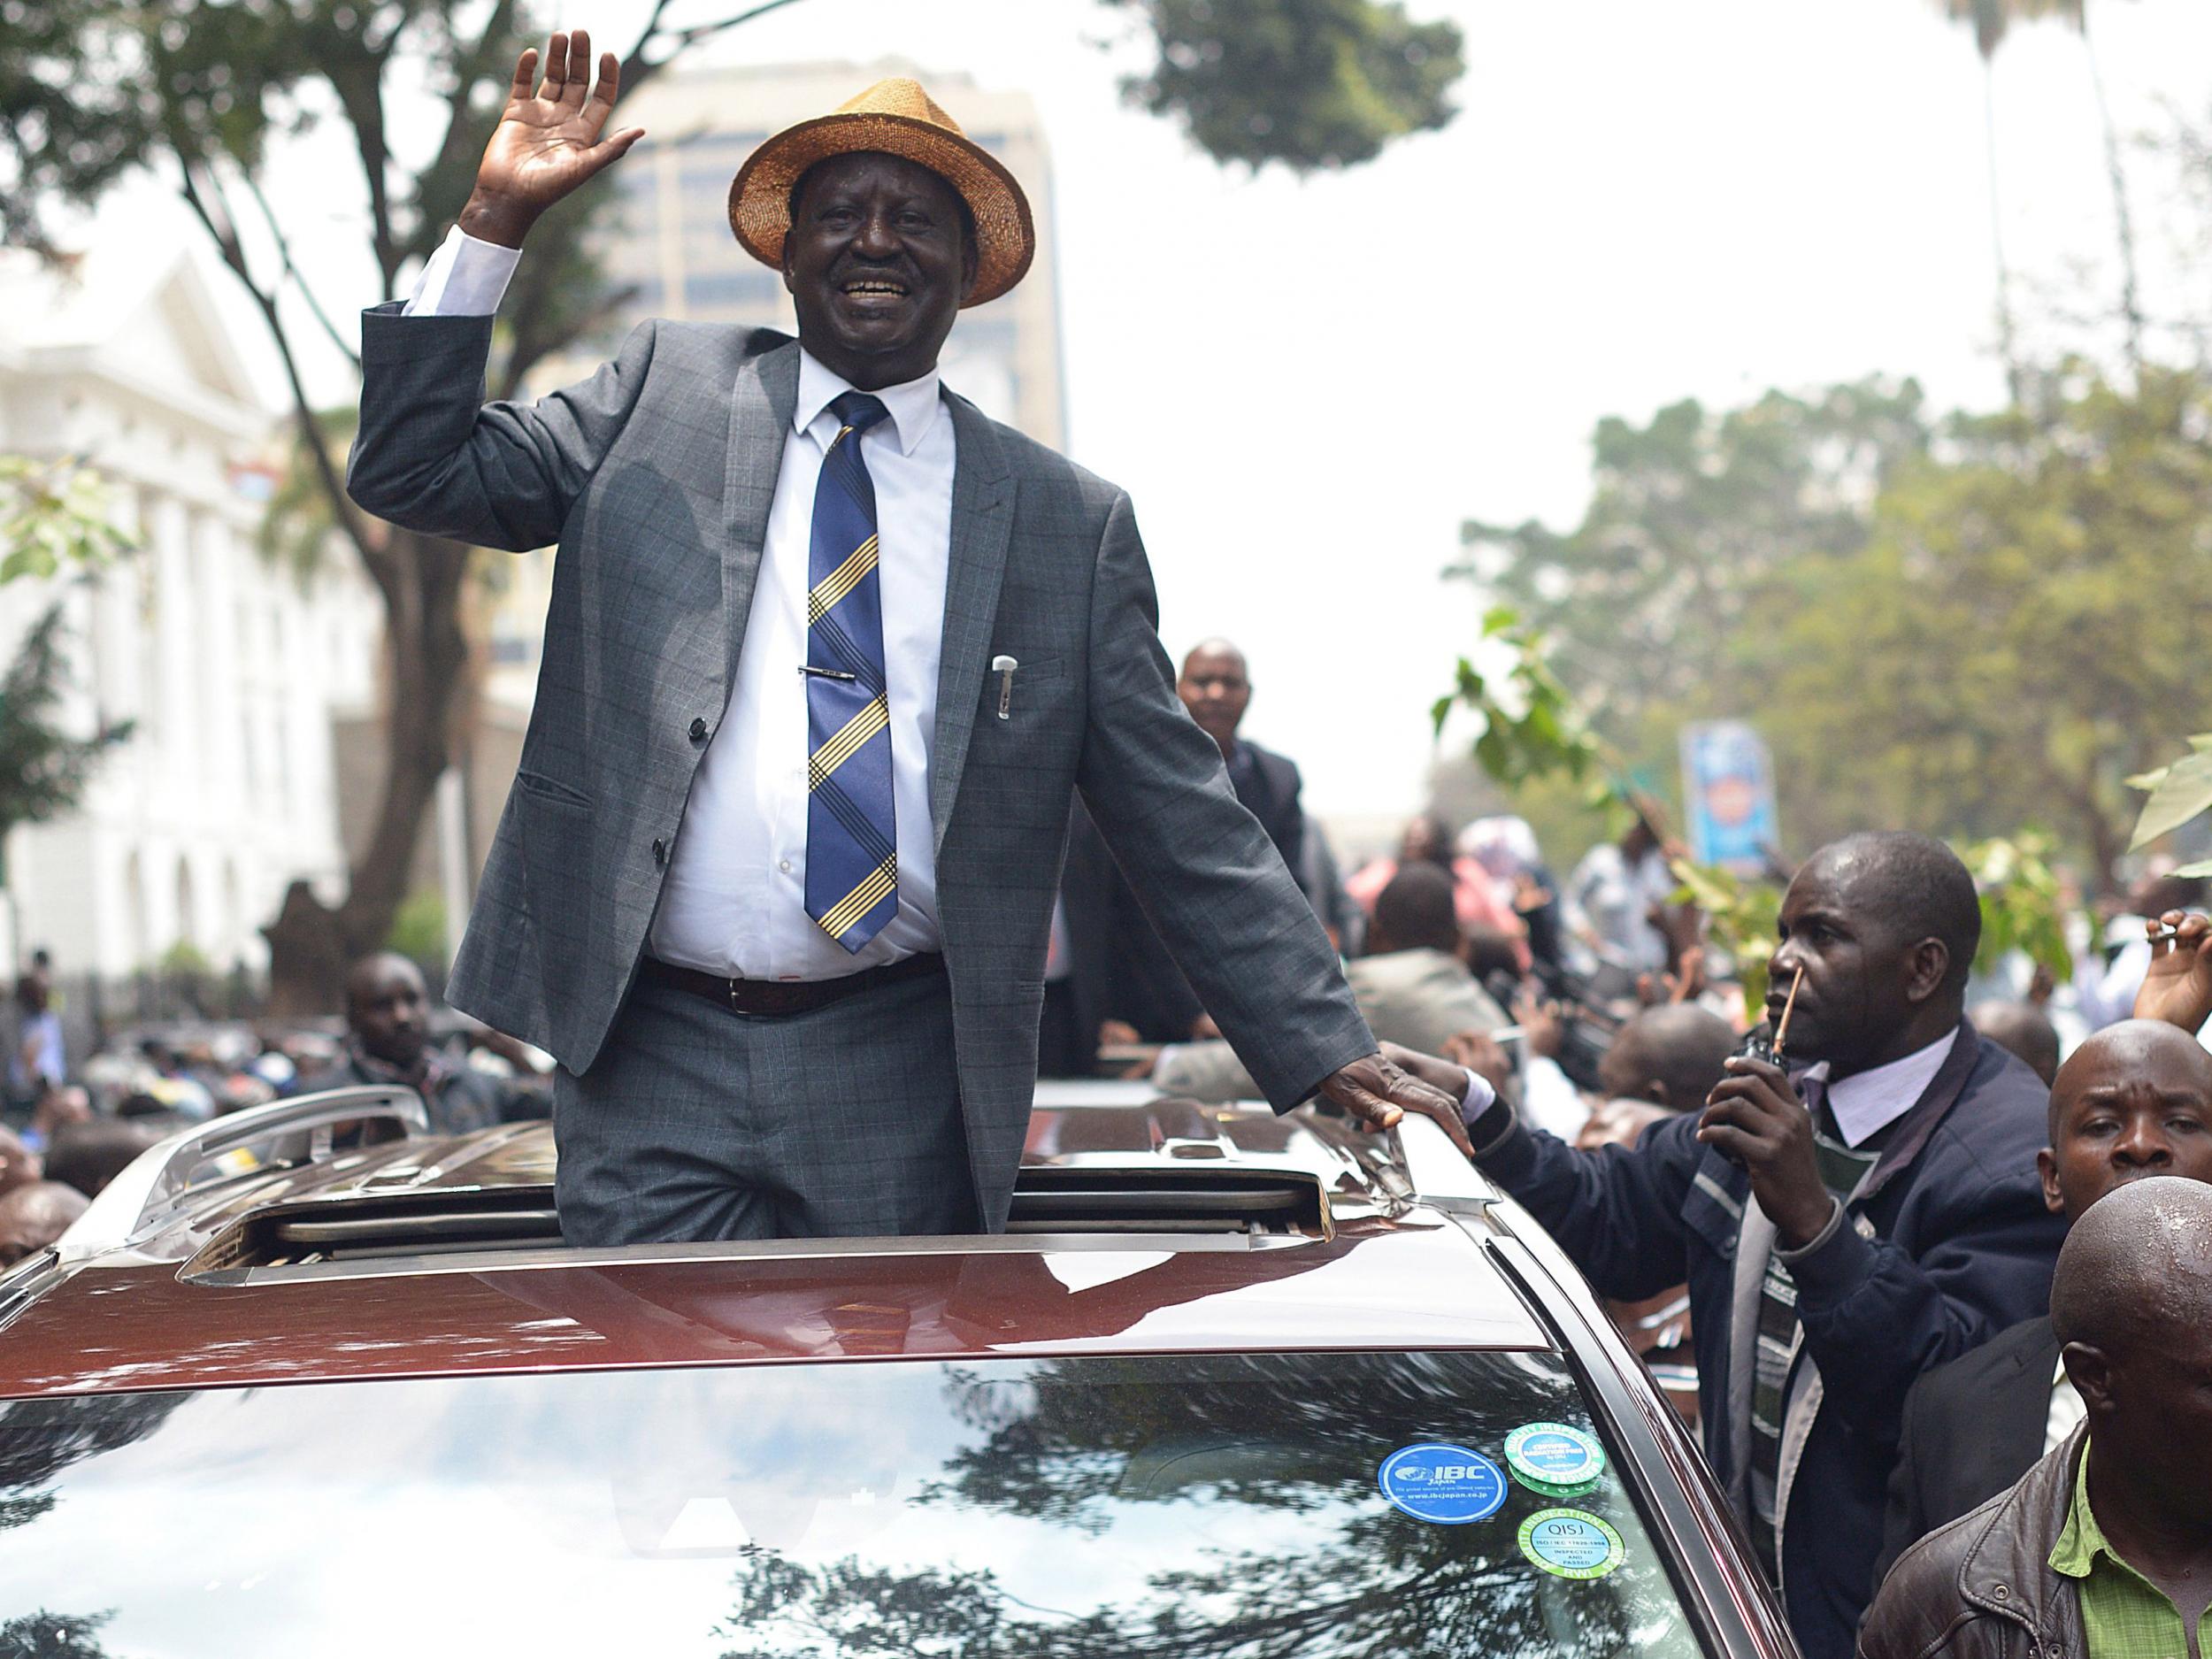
<point>1867,1102</point>
<point>2066,1413</point>
<point>734,898</point>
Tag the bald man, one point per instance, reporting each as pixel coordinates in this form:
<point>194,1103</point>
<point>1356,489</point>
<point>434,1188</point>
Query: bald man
<point>2022,1028</point>
<point>33,1216</point>
<point>2133,1102</point>
<point>2104,1548</point>
<point>1107,963</point>
<point>1215,685</point>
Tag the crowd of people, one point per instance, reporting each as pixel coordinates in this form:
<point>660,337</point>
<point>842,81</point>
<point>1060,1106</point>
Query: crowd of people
<point>68,1127</point>
<point>1835,1246</point>
<point>1837,1254</point>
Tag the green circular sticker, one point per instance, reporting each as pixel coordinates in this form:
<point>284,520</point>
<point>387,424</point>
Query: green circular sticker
<point>1545,1489</point>
<point>1571,1544</point>
<point>1553,1460</point>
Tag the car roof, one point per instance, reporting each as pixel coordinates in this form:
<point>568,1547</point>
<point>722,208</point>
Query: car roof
<point>257,1250</point>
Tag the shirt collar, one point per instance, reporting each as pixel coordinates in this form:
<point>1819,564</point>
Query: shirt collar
<point>1867,1102</point>
<point>913,405</point>
<point>2081,1541</point>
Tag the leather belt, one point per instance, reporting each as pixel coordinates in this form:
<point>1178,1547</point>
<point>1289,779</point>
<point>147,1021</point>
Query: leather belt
<point>779,998</point>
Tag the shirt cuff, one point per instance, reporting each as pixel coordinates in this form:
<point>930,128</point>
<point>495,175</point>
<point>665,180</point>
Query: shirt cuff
<point>464,277</point>
<point>1475,1096</point>
<point>1787,1257</point>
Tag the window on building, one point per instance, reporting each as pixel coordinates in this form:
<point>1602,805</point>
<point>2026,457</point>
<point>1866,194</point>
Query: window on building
<point>714,290</point>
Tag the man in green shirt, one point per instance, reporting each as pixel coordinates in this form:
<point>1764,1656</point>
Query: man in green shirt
<point>2104,1549</point>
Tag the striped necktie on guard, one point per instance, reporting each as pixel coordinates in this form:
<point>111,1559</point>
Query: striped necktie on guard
<point>852,860</point>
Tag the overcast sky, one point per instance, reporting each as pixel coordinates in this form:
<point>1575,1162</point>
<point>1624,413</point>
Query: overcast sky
<point>1307,385</point>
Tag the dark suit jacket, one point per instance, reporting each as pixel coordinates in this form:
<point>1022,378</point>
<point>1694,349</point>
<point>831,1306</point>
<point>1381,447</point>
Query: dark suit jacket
<point>1121,968</point>
<point>1269,785</point>
<point>1971,1428</point>
<point>655,478</point>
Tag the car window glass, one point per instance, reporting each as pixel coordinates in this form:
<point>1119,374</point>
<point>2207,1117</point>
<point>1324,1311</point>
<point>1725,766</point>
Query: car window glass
<point>1075,1508</point>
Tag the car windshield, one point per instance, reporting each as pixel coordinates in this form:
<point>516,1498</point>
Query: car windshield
<point>1296,1505</point>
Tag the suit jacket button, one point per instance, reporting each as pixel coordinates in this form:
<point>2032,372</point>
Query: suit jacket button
<point>698,730</point>
<point>660,850</point>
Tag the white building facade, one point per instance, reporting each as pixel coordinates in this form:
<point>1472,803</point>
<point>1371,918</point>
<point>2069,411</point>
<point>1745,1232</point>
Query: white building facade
<point>230,664</point>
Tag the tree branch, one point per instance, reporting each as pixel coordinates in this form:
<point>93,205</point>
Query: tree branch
<point>686,38</point>
<point>292,271</point>
<point>362,99</point>
<point>205,195</point>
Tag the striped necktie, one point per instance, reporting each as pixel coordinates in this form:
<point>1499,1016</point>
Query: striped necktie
<point>852,860</point>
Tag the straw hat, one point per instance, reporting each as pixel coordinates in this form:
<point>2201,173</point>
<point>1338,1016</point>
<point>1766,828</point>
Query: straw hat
<point>897,118</point>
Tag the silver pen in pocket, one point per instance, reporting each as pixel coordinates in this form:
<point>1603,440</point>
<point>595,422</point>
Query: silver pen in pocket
<point>1004,667</point>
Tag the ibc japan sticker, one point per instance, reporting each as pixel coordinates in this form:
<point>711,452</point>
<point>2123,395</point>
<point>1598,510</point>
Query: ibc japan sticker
<point>1553,1459</point>
<point>1447,1485</point>
<point>1571,1544</point>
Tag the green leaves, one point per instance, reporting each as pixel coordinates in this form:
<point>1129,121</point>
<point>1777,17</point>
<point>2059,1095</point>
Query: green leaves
<point>1531,726</point>
<point>53,516</point>
<point>2178,792</point>
<point>1739,918</point>
<point>2023,906</point>
<point>43,769</point>
<point>1313,84</point>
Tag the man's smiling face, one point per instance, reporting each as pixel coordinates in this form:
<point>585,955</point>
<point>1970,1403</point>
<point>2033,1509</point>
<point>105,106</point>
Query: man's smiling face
<point>877,260</point>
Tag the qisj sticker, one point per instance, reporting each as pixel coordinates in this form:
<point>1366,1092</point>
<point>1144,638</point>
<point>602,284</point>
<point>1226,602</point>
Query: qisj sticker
<point>1571,1544</point>
<point>1447,1485</point>
<point>1554,1459</point>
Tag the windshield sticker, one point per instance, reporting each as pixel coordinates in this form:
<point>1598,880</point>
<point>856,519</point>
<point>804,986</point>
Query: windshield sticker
<point>1570,1544</point>
<point>1553,1460</point>
<point>1447,1485</point>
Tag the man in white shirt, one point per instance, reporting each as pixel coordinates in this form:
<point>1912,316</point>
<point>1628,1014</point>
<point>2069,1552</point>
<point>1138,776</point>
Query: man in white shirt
<point>1840,1229</point>
<point>827,655</point>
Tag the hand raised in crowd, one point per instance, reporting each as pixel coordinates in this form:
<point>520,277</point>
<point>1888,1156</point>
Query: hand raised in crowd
<point>1686,984</point>
<point>1542,1029</point>
<point>1754,1116</point>
<point>547,140</point>
<point>2178,988</point>
<point>1377,1093</point>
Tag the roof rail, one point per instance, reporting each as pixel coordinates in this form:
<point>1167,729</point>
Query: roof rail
<point>1439,1171</point>
<point>148,1194</point>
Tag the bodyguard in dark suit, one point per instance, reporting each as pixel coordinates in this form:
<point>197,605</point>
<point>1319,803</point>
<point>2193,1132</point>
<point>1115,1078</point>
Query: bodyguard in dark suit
<point>1215,685</point>
<point>828,652</point>
<point>1122,971</point>
<point>2134,1101</point>
<point>1833,1254</point>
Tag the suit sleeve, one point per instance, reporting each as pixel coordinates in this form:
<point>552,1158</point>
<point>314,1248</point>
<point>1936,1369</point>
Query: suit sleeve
<point>1617,1211</point>
<point>1904,1518</point>
<point>1205,871</point>
<point>431,456</point>
<point>1877,1317</point>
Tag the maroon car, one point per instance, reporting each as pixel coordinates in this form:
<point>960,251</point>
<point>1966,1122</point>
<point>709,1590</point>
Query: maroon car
<point>307,1382</point>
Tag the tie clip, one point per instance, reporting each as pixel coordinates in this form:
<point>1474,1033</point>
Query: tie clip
<point>827,673</point>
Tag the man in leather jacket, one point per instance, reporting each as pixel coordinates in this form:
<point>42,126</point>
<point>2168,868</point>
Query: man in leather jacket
<point>2104,1549</point>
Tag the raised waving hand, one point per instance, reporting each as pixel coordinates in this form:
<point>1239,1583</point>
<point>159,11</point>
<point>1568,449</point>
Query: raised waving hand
<point>548,140</point>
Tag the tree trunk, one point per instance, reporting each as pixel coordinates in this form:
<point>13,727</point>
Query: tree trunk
<point>2122,223</point>
<point>431,691</point>
<point>2008,345</point>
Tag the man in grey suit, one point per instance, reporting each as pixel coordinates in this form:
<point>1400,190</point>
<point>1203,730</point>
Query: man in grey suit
<point>828,652</point>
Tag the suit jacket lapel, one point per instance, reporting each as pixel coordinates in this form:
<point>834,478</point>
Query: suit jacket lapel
<point>765,398</point>
<point>982,519</point>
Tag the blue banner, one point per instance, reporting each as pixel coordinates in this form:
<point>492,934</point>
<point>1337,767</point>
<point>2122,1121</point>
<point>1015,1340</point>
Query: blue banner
<point>1728,796</point>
